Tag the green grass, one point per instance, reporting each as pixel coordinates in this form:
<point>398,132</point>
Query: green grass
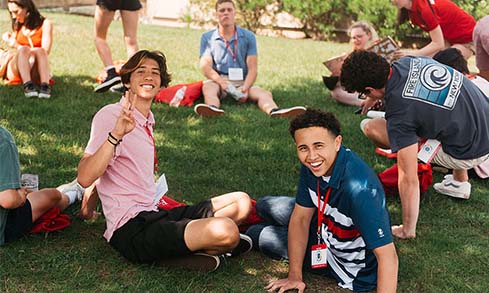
<point>245,150</point>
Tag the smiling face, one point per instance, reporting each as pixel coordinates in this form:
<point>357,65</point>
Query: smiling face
<point>359,38</point>
<point>226,14</point>
<point>145,81</point>
<point>317,149</point>
<point>17,12</point>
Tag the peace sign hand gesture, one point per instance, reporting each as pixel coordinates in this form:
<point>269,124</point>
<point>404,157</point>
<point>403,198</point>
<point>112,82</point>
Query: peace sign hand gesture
<point>126,122</point>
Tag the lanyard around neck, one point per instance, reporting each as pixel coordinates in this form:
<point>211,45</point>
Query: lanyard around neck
<point>234,52</point>
<point>321,210</point>
<point>155,160</point>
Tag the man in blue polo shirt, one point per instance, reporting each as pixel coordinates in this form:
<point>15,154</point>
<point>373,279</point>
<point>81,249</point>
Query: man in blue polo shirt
<point>338,225</point>
<point>228,59</point>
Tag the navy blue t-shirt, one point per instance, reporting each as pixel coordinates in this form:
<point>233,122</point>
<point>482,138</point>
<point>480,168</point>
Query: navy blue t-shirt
<point>356,218</point>
<point>426,99</point>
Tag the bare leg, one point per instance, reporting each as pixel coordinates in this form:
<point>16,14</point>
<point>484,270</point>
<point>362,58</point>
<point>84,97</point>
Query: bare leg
<point>130,25</point>
<point>23,65</point>
<point>235,205</point>
<point>460,175</point>
<point>211,92</point>
<point>211,235</point>
<point>376,131</point>
<point>263,98</point>
<point>103,18</point>
<point>42,64</point>
<point>43,200</point>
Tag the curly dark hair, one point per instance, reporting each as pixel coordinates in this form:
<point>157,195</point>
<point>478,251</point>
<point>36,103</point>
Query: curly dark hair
<point>33,19</point>
<point>137,59</point>
<point>315,118</point>
<point>363,69</point>
<point>453,58</point>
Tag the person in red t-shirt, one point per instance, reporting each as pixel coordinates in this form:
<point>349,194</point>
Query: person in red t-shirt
<point>447,24</point>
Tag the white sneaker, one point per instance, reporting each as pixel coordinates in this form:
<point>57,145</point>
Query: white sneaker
<point>287,112</point>
<point>73,190</point>
<point>205,110</point>
<point>453,188</point>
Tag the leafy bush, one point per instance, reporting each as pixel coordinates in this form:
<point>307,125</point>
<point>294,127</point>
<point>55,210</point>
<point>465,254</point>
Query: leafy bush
<point>322,19</point>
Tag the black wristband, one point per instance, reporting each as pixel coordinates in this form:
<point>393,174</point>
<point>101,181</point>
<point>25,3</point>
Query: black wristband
<point>112,140</point>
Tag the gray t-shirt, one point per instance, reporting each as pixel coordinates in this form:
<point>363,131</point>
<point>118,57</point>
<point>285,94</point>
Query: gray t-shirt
<point>9,172</point>
<point>425,99</point>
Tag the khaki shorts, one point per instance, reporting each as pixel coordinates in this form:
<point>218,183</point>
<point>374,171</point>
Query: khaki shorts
<point>238,84</point>
<point>443,159</point>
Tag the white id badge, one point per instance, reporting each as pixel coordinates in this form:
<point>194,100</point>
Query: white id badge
<point>235,73</point>
<point>318,256</point>
<point>428,150</point>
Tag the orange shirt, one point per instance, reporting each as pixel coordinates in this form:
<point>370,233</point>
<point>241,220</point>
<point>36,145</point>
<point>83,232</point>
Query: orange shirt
<point>32,39</point>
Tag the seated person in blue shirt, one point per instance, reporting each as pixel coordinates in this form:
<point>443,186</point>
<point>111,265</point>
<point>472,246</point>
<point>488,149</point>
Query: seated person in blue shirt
<point>20,207</point>
<point>228,59</point>
<point>347,235</point>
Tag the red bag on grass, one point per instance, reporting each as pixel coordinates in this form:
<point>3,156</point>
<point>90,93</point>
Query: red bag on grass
<point>51,220</point>
<point>389,178</point>
<point>193,92</point>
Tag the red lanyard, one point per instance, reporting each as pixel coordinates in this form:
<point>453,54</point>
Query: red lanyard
<point>155,161</point>
<point>228,46</point>
<point>321,210</point>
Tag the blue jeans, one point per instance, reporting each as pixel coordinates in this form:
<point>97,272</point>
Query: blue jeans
<point>270,237</point>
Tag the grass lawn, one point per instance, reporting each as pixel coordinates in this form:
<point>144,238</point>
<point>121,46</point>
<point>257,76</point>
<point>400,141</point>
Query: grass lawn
<point>245,150</point>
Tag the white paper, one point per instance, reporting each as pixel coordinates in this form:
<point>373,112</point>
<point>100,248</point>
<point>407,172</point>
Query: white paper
<point>161,188</point>
<point>428,150</point>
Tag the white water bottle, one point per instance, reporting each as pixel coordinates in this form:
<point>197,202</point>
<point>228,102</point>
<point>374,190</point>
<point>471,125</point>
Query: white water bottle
<point>178,97</point>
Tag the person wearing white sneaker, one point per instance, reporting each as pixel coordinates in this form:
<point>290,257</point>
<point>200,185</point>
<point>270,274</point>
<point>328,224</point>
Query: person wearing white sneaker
<point>19,206</point>
<point>424,100</point>
<point>121,154</point>
<point>229,61</point>
<point>453,188</point>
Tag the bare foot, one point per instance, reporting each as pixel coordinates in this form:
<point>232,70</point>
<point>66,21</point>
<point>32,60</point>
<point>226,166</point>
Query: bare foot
<point>398,231</point>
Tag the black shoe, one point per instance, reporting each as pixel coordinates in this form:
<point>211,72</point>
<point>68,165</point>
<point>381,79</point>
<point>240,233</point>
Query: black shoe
<point>287,112</point>
<point>45,91</point>
<point>205,110</point>
<point>111,80</point>
<point>330,81</point>
<point>30,90</point>
<point>118,88</point>
<point>245,245</point>
<point>198,261</point>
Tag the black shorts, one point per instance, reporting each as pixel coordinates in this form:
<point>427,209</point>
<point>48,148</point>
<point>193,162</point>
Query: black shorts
<point>113,5</point>
<point>153,236</point>
<point>19,222</point>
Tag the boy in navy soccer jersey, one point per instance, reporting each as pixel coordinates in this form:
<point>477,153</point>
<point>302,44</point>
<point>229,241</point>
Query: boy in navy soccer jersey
<point>351,241</point>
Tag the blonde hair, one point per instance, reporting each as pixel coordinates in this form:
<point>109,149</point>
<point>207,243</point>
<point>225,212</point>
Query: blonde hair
<point>366,27</point>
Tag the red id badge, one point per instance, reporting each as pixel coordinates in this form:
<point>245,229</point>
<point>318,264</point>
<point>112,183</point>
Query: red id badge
<point>318,256</point>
